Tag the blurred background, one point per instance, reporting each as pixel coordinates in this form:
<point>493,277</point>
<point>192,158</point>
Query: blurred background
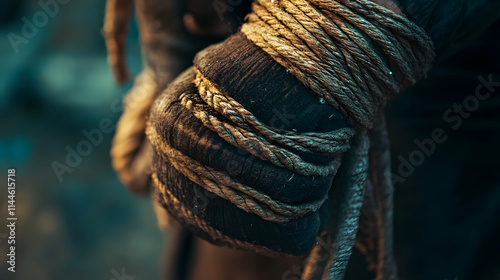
<point>80,223</point>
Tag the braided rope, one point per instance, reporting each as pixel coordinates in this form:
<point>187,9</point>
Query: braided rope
<point>352,54</point>
<point>353,175</point>
<point>355,55</point>
<point>129,151</point>
<point>244,197</point>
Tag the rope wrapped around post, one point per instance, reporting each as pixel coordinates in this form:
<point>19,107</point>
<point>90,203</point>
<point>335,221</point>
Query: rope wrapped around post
<point>354,55</point>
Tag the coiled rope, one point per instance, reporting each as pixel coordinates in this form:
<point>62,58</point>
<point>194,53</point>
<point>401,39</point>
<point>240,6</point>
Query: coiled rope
<point>220,183</point>
<point>354,55</point>
<point>245,131</point>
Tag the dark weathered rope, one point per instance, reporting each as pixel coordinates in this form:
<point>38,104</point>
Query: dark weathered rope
<point>245,131</point>
<point>331,143</point>
<point>351,185</point>
<point>189,218</point>
<point>130,152</point>
<point>380,165</point>
<point>354,55</point>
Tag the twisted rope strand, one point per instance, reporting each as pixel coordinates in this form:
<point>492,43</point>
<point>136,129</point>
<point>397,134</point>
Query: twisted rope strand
<point>189,218</point>
<point>354,55</point>
<point>248,133</point>
<point>328,63</point>
<point>387,49</point>
<point>337,58</point>
<point>244,197</point>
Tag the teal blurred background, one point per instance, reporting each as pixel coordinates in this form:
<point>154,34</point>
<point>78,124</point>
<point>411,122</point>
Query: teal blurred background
<point>85,225</point>
<point>57,84</point>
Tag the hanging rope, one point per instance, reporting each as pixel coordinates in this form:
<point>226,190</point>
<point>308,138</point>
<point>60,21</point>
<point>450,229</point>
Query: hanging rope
<point>115,31</point>
<point>130,153</point>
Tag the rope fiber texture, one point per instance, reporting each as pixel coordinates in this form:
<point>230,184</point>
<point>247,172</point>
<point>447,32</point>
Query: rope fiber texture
<point>243,130</point>
<point>354,55</point>
<point>221,184</point>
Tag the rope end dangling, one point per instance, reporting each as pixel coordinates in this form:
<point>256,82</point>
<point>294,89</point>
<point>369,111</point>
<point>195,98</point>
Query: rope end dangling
<point>115,31</point>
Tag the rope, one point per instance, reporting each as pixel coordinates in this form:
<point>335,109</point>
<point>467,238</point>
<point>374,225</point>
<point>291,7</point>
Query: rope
<point>220,183</point>
<point>380,166</point>
<point>354,55</point>
<point>348,196</point>
<point>351,189</point>
<point>245,131</point>
<point>115,31</point>
<point>189,218</point>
